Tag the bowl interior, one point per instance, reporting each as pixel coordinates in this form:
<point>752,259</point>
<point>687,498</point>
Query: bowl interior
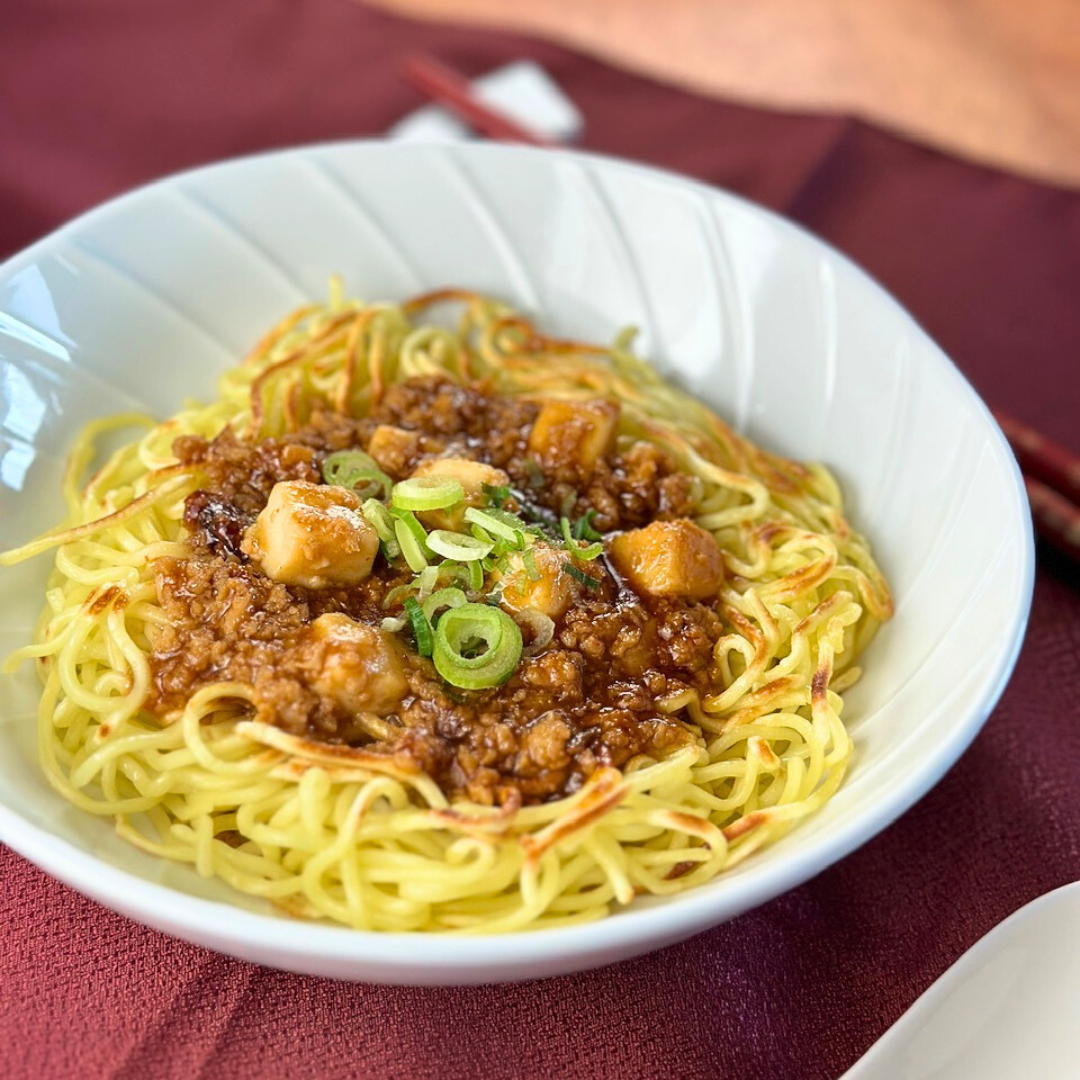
<point>142,303</point>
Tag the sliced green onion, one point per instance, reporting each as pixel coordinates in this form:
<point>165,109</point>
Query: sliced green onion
<point>496,494</point>
<point>421,628</point>
<point>357,471</point>
<point>410,546</point>
<point>426,580</point>
<point>476,646</point>
<point>458,546</point>
<point>585,553</point>
<point>518,528</point>
<point>579,575</point>
<point>543,630</point>
<point>529,559</point>
<point>476,576</point>
<point>481,535</point>
<point>444,598</point>
<point>459,575</point>
<point>378,517</point>
<point>491,524</point>
<point>427,493</point>
<point>414,527</point>
<point>452,571</point>
<point>396,594</point>
<point>507,518</point>
<point>393,625</point>
<point>583,527</point>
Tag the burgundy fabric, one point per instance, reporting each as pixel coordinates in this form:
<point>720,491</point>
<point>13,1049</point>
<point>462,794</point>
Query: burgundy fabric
<point>95,98</point>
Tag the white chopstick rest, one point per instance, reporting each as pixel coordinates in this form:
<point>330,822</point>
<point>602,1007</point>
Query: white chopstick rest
<point>522,90</point>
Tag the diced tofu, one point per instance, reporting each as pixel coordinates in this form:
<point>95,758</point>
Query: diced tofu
<point>394,448</point>
<point>312,535</point>
<point>576,433</point>
<point>472,475</point>
<point>670,558</point>
<point>551,595</point>
<point>356,665</point>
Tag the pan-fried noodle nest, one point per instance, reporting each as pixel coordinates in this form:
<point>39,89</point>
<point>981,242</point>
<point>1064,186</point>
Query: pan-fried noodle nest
<point>343,834</point>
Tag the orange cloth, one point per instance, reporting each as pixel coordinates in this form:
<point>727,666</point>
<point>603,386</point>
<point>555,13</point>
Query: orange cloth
<point>997,81</point>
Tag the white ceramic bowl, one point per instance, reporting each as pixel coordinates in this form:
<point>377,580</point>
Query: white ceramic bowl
<point>142,302</point>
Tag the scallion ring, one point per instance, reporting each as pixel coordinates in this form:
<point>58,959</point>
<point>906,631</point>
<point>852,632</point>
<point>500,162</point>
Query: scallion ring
<point>378,517</point>
<point>427,493</point>
<point>421,628</point>
<point>587,554</point>
<point>487,521</point>
<point>529,561</point>
<point>444,598</point>
<point>583,527</point>
<point>542,627</point>
<point>496,494</point>
<point>476,576</point>
<point>481,535</point>
<point>411,547</point>
<point>513,520</point>
<point>476,646</point>
<point>396,594</point>
<point>450,571</point>
<point>409,520</point>
<point>357,471</point>
<point>451,545</point>
<point>579,575</point>
<point>426,581</point>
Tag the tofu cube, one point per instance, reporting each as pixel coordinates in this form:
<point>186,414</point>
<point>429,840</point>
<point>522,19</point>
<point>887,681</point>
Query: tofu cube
<point>576,433</point>
<point>472,475</point>
<point>394,448</point>
<point>312,535</point>
<point>356,665</point>
<point>669,558</point>
<point>551,595</point>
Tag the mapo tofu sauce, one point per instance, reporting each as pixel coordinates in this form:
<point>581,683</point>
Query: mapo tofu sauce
<point>282,589</point>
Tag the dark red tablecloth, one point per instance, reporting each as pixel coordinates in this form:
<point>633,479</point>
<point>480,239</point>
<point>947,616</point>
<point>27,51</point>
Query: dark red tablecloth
<point>95,98</point>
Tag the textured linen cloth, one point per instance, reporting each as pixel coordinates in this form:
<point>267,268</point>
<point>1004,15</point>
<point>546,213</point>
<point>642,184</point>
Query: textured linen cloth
<point>97,98</point>
<point>994,80</point>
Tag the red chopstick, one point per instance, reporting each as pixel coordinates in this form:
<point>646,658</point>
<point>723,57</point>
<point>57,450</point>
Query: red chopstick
<point>452,90</point>
<point>1052,478</point>
<point>1043,458</point>
<point>1056,519</point>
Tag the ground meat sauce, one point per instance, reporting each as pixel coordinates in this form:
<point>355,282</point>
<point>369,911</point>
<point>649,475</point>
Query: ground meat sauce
<point>624,489</point>
<point>586,701</point>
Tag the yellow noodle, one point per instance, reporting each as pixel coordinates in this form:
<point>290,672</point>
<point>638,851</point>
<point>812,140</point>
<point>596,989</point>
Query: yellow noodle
<point>375,847</point>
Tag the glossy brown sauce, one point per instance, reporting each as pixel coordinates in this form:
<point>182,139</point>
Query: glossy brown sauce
<point>588,700</point>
